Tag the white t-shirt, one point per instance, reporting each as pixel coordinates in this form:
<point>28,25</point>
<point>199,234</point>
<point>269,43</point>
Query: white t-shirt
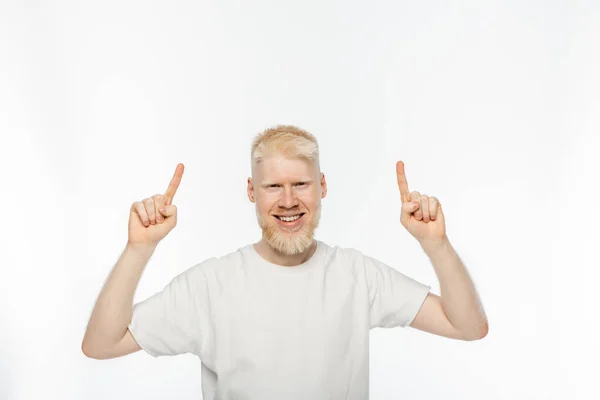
<point>264,331</point>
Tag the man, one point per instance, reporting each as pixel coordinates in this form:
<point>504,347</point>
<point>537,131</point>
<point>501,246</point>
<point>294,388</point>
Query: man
<point>287,317</point>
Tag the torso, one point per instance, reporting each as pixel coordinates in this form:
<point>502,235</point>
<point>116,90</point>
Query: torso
<point>288,332</point>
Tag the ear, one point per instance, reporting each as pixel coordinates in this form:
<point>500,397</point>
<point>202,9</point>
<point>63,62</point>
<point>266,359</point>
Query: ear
<point>250,190</point>
<point>323,186</point>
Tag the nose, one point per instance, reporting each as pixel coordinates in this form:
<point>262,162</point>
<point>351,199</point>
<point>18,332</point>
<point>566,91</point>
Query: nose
<point>288,198</point>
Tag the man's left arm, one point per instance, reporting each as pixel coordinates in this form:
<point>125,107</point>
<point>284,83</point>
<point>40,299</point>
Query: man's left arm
<point>459,300</point>
<point>458,312</point>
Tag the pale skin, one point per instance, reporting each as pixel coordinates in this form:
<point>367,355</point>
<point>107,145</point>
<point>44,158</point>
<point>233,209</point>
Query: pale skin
<point>284,186</point>
<point>457,313</point>
<point>107,335</point>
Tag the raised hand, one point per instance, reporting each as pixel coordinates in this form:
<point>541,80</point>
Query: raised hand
<point>421,215</point>
<point>152,218</point>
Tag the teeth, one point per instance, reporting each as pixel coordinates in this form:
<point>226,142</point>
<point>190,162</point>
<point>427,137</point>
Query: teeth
<point>290,219</point>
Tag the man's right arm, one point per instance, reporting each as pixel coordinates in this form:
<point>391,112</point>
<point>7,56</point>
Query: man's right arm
<point>150,220</point>
<point>107,334</point>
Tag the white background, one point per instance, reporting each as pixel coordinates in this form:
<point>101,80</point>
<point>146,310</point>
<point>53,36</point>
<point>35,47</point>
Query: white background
<point>494,107</point>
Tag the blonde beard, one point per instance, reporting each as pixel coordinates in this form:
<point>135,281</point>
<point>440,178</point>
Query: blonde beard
<point>286,241</point>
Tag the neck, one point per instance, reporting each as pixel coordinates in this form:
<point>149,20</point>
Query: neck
<point>276,257</point>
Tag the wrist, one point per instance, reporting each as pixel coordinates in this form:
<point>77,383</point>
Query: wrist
<point>140,248</point>
<point>431,246</point>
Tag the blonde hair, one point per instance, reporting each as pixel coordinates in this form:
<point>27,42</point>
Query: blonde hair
<point>287,140</point>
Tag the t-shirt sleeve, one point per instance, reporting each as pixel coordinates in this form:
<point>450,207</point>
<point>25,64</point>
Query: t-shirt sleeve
<point>395,298</point>
<point>170,322</point>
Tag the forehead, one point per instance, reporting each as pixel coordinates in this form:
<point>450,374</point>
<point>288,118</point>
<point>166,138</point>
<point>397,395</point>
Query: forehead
<point>275,168</point>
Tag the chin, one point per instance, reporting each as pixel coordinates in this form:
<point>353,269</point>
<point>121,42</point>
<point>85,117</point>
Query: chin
<point>289,242</point>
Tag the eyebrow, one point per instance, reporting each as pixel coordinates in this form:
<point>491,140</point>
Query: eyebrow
<point>264,185</point>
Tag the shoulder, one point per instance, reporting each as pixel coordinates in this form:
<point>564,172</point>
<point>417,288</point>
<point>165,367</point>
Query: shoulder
<point>348,260</point>
<point>216,272</point>
<point>344,254</point>
<point>362,266</point>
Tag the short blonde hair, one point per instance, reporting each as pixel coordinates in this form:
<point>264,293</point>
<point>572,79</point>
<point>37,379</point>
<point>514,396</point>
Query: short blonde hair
<point>287,140</point>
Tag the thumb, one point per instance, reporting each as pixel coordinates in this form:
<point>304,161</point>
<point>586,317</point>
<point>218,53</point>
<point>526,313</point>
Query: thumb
<point>407,209</point>
<point>168,211</point>
<point>410,207</point>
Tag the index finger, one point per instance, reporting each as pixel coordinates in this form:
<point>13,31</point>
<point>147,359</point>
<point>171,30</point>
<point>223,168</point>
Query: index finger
<point>402,184</point>
<point>174,184</point>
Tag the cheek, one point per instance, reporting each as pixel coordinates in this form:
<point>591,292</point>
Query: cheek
<point>261,208</point>
<point>310,200</point>
<point>263,205</point>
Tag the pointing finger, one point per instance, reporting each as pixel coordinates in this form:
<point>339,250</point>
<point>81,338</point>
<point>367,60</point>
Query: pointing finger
<point>174,184</point>
<point>402,184</point>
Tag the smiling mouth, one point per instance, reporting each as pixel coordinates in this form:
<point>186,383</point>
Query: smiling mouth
<point>291,218</point>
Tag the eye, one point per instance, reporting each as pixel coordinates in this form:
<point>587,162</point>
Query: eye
<point>301,183</point>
